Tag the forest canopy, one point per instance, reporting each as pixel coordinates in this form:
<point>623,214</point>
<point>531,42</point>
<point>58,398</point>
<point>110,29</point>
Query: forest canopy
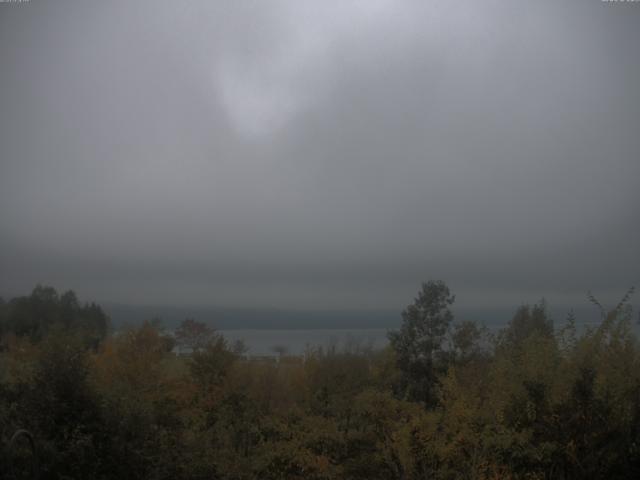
<point>445,399</point>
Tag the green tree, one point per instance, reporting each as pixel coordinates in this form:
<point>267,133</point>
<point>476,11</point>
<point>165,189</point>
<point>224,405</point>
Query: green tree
<point>62,409</point>
<point>44,309</point>
<point>467,342</point>
<point>419,343</point>
<point>210,365</point>
<point>527,321</point>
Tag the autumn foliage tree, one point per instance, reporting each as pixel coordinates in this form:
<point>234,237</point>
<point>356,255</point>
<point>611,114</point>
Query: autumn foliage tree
<point>192,335</point>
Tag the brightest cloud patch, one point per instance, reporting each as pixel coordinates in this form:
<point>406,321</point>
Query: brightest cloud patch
<point>262,87</point>
<point>257,101</point>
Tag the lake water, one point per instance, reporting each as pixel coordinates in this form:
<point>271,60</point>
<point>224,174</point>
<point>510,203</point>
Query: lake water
<point>262,342</point>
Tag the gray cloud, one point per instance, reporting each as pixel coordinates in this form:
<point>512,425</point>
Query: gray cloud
<point>331,154</point>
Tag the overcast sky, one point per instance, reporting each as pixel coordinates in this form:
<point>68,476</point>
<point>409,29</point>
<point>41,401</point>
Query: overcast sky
<point>326,154</point>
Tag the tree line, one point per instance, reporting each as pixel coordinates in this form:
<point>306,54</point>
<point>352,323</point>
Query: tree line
<point>445,400</point>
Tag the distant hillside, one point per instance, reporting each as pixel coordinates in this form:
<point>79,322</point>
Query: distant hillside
<point>253,318</point>
<point>234,318</point>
